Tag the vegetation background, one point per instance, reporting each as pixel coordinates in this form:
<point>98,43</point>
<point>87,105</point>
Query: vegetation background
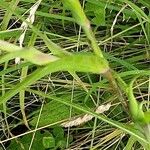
<point>75,74</point>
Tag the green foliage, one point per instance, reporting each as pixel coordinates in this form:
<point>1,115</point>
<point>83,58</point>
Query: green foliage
<point>92,68</point>
<point>58,132</point>
<point>39,142</point>
<point>97,12</point>
<point>42,140</point>
<point>48,142</point>
<point>52,112</point>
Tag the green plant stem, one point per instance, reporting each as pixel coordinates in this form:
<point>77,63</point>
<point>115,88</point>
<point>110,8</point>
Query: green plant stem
<point>4,25</point>
<point>9,14</point>
<point>82,20</point>
<point>58,51</point>
<point>130,143</point>
<point>24,73</point>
